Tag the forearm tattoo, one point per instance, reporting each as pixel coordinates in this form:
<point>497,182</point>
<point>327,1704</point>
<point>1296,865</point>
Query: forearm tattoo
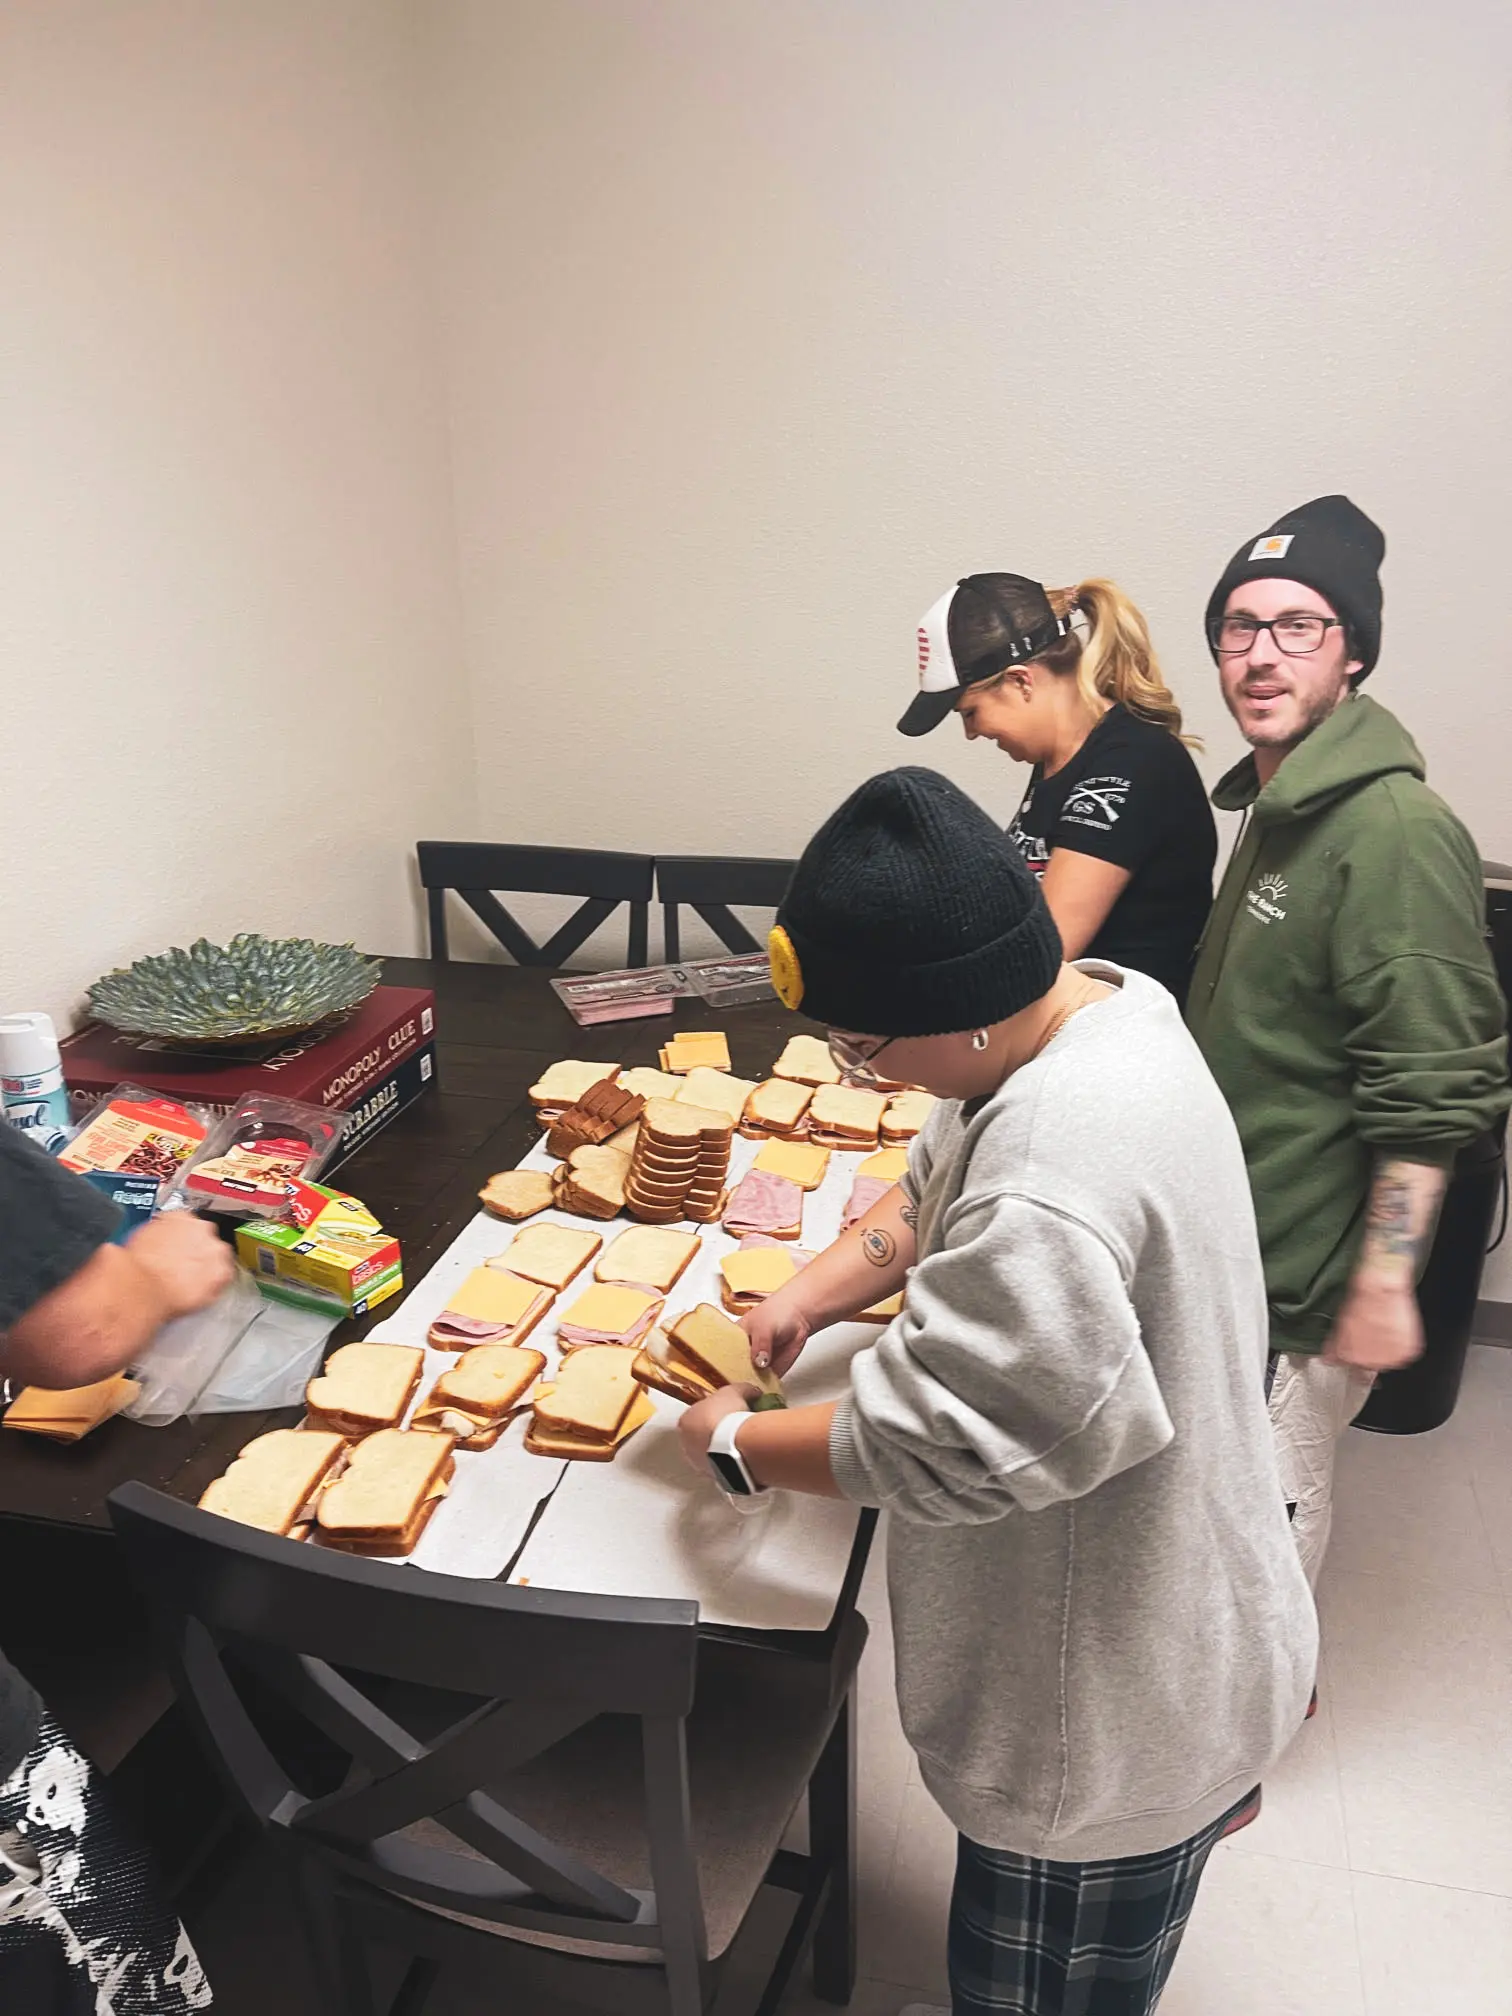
<point>879,1247</point>
<point>1388,1219</point>
<point>1400,1214</point>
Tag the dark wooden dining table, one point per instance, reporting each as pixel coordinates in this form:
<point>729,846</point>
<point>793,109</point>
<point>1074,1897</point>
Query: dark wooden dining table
<point>70,1618</point>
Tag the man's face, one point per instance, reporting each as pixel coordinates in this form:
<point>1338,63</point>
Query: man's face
<point>1279,696</point>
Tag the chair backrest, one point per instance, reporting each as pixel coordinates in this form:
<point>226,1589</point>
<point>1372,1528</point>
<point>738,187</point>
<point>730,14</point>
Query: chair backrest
<point>281,1651</point>
<point>477,869</point>
<point>709,884</point>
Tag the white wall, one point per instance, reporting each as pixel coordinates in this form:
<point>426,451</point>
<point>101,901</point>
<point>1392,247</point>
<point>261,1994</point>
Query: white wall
<point>765,319</point>
<point>231,687</point>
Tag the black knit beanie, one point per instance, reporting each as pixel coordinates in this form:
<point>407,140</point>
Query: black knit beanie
<point>1328,545</point>
<point>911,914</point>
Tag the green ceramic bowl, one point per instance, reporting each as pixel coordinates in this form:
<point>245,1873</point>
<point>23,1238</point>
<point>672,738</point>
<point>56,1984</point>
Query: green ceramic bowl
<point>253,987</point>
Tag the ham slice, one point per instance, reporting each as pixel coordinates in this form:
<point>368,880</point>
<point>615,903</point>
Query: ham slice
<point>473,1329</point>
<point>865,1192</point>
<point>572,1336</point>
<point>762,1202</point>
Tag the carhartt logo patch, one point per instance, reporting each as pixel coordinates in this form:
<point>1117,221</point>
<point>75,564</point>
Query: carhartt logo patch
<point>1274,546</point>
<point>1265,901</point>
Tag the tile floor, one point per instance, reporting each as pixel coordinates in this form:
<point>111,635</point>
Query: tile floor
<point>1378,1881</point>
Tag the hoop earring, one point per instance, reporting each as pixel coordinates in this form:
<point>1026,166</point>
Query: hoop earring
<point>979,1040</point>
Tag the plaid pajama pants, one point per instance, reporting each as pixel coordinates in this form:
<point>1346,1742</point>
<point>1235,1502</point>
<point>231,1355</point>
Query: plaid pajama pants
<point>1036,1938</point>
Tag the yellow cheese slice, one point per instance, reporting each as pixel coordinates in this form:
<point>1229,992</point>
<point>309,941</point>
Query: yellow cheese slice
<point>757,1270</point>
<point>612,1310</point>
<point>803,1161</point>
<point>888,1164</point>
<point>492,1296</point>
<point>692,1047</point>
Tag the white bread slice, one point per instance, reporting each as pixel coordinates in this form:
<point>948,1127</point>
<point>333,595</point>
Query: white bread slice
<point>489,1381</point>
<point>647,1253</point>
<point>778,1102</point>
<point>382,1493</point>
<point>549,1254</point>
<point>562,1085</point>
<point>717,1091</point>
<point>590,1396</point>
<point>906,1113</point>
<point>848,1109</point>
<point>718,1349</point>
<point>543,1440</point>
<point>657,1365</point>
<point>648,1083</point>
<point>364,1388</point>
<point>516,1193</point>
<point>808,1060</point>
<point>270,1485</point>
<point>802,1162</point>
<point>671,1123</point>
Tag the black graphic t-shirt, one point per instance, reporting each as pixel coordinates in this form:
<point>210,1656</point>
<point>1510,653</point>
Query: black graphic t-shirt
<point>1131,795</point>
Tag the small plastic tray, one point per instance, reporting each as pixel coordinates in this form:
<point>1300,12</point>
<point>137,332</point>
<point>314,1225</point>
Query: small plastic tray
<point>626,996</point>
<point>733,981</point>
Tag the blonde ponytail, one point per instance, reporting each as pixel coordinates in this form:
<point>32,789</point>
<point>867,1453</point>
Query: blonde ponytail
<point>1114,659</point>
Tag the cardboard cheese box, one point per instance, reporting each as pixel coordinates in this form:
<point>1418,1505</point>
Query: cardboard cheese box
<point>309,1265</point>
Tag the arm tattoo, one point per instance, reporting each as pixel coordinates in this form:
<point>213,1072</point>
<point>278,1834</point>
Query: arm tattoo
<point>1388,1219</point>
<point>879,1247</point>
<point>909,1213</point>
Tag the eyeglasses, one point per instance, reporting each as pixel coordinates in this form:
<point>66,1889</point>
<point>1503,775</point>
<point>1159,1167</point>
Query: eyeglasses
<point>857,1054</point>
<point>1295,636</point>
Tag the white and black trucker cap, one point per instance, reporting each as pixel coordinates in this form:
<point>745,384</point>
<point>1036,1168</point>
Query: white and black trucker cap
<point>977,629</point>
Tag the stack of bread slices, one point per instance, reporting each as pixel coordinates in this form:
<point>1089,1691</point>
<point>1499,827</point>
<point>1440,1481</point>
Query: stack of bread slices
<point>680,1165</point>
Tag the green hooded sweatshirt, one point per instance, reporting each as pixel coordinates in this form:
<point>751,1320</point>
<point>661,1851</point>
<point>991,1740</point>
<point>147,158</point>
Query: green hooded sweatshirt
<point>1344,997</point>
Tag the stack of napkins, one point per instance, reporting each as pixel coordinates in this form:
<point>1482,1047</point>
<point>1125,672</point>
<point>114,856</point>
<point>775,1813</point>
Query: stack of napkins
<point>69,1416</point>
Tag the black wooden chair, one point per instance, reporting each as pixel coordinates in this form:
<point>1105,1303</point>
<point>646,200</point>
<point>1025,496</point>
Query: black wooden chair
<point>574,1795</point>
<point>709,884</point>
<point>477,869</point>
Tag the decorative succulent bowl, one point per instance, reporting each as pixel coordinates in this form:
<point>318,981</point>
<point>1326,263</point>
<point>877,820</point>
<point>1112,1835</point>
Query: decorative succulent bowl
<point>253,987</point>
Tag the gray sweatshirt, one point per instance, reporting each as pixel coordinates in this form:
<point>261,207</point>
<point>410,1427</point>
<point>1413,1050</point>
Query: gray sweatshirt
<point>1103,1633</point>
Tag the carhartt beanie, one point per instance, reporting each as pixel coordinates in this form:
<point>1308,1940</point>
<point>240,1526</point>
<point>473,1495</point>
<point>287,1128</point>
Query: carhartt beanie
<point>910,913</point>
<point>1329,545</point>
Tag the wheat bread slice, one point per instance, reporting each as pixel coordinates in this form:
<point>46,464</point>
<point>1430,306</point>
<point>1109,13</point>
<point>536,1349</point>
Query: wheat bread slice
<point>516,1194</point>
<point>590,1396</point>
<point>718,1349</point>
<point>553,1255</point>
<point>364,1388</point>
<point>274,1482</point>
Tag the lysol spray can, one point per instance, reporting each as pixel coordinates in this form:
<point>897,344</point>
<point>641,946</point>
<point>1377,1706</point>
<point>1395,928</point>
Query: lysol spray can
<point>33,1096</point>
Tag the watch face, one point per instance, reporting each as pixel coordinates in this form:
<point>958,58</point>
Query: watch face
<point>730,1473</point>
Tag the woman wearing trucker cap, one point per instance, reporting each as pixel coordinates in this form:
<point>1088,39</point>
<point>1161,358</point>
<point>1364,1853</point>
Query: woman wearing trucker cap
<point>1103,1634</point>
<point>1115,821</point>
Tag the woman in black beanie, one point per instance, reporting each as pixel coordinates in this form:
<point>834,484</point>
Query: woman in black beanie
<point>1103,1636</point>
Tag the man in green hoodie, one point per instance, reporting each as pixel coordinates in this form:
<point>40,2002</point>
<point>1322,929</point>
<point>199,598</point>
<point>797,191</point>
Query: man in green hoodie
<point>1343,996</point>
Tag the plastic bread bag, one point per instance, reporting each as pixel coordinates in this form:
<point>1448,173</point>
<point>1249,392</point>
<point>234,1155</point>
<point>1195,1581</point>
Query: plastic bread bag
<point>186,1354</point>
<point>250,1158</point>
<point>272,1362</point>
